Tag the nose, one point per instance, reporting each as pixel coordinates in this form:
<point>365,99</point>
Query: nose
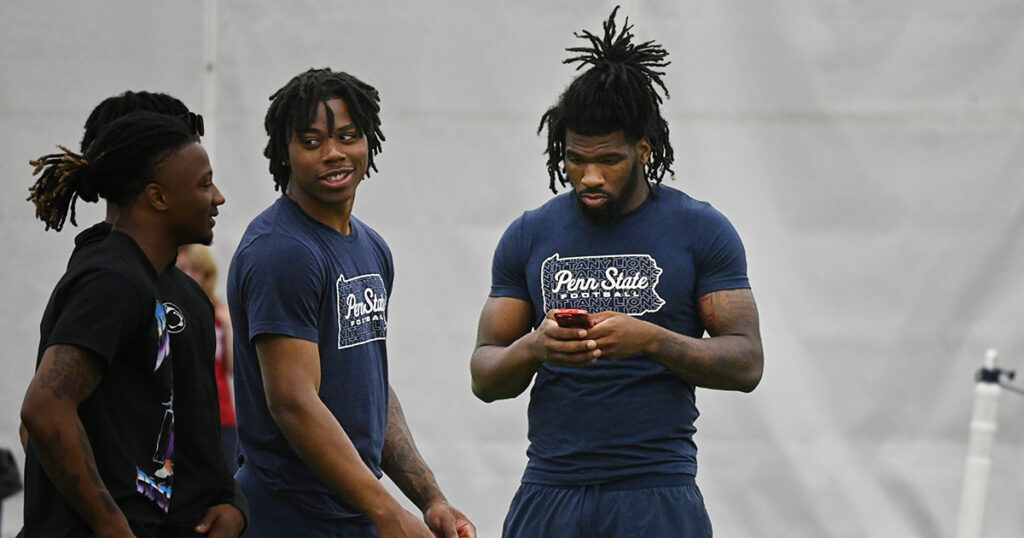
<point>332,151</point>
<point>218,198</point>
<point>592,177</point>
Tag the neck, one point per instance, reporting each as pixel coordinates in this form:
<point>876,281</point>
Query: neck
<point>159,249</point>
<point>335,216</point>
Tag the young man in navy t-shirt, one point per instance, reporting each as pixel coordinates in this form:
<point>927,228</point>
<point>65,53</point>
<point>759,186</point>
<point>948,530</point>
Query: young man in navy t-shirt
<point>308,290</point>
<point>612,409</point>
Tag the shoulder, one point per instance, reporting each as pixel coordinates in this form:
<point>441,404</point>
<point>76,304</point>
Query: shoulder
<point>118,263</point>
<point>276,234</point>
<point>537,220</point>
<point>560,206</point>
<point>106,289</point>
<point>371,235</point>
<point>681,205</point>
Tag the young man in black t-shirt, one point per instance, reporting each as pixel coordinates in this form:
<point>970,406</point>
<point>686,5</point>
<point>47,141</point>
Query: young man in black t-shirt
<point>207,499</point>
<point>99,411</point>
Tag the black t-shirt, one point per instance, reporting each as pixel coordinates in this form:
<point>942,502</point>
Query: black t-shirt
<point>107,302</point>
<point>201,477</point>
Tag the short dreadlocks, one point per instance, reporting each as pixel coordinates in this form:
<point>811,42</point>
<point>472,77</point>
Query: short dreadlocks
<point>293,109</point>
<point>116,166</point>
<point>618,92</point>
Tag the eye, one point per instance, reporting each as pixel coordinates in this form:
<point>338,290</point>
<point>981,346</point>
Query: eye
<point>309,141</point>
<point>349,136</point>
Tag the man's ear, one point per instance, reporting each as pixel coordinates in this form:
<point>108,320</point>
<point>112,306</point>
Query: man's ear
<point>643,151</point>
<point>156,197</point>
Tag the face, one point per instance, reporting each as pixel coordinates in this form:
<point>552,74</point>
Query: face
<point>606,172</point>
<point>327,164</point>
<point>192,199</point>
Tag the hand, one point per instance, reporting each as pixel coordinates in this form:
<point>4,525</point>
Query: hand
<point>563,346</point>
<point>402,524</point>
<point>447,522</point>
<point>620,335</point>
<point>221,521</point>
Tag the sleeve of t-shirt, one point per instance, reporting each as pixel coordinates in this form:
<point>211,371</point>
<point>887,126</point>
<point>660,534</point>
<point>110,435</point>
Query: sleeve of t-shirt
<point>103,312</point>
<point>280,288</point>
<point>722,261</point>
<point>508,269</point>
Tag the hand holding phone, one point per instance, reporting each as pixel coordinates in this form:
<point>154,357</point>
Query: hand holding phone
<point>572,318</point>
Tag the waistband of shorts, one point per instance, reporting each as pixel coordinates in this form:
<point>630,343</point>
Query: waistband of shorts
<point>645,481</point>
<point>641,481</point>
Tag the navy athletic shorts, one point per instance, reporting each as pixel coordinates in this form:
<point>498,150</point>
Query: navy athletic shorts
<point>653,507</point>
<point>272,516</point>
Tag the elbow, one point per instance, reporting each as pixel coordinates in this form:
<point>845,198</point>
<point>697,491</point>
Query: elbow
<point>482,389</point>
<point>34,413</point>
<point>286,411</point>
<point>749,383</point>
<point>751,378</point>
<point>30,419</point>
<point>483,393</point>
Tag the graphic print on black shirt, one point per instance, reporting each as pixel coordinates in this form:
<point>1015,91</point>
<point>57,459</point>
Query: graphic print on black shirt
<point>157,487</point>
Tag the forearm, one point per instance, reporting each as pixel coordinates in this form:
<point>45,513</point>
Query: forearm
<point>62,447</point>
<point>501,372</point>
<point>725,362</point>
<point>402,462</point>
<point>322,444</point>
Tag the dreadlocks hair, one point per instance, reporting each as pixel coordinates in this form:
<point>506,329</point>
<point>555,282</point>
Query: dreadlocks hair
<point>293,109</point>
<point>116,166</point>
<point>617,92</point>
<point>116,106</point>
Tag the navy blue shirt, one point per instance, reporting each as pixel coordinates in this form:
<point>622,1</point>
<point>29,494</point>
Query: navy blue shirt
<point>292,275</point>
<point>630,417</point>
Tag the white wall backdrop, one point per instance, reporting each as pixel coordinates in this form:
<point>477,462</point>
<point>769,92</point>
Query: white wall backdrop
<point>869,153</point>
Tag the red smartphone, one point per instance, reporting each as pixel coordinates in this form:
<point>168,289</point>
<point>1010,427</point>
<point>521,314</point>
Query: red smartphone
<point>573,318</point>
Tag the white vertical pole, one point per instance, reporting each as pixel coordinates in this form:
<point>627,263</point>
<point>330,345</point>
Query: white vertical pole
<point>971,523</point>
<point>210,80</point>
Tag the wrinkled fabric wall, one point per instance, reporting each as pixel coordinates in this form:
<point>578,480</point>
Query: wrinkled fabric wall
<point>869,153</point>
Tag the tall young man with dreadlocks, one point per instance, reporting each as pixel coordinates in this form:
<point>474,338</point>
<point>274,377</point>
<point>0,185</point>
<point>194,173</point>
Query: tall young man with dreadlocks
<point>99,410</point>
<point>308,291</point>
<point>612,410</point>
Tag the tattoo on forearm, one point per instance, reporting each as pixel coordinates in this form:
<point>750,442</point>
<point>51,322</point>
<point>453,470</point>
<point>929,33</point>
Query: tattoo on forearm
<point>50,449</point>
<point>94,473</point>
<point>402,462</point>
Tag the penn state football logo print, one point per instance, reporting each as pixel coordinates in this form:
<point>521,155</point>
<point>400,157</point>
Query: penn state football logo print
<point>362,310</point>
<point>175,318</point>
<point>623,283</point>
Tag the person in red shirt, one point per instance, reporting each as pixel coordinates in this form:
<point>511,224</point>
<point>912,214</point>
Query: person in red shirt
<point>197,261</point>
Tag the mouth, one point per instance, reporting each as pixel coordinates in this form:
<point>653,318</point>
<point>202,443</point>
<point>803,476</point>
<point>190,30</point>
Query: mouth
<point>336,177</point>
<point>593,199</point>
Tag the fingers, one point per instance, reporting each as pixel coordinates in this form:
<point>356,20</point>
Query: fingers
<point>204,524</point>
<point>466,529</point>
<point>566,347</point>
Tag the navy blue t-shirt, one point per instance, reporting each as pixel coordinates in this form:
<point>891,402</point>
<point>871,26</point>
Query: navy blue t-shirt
<point>292,275</point>
<point>630,417</point>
